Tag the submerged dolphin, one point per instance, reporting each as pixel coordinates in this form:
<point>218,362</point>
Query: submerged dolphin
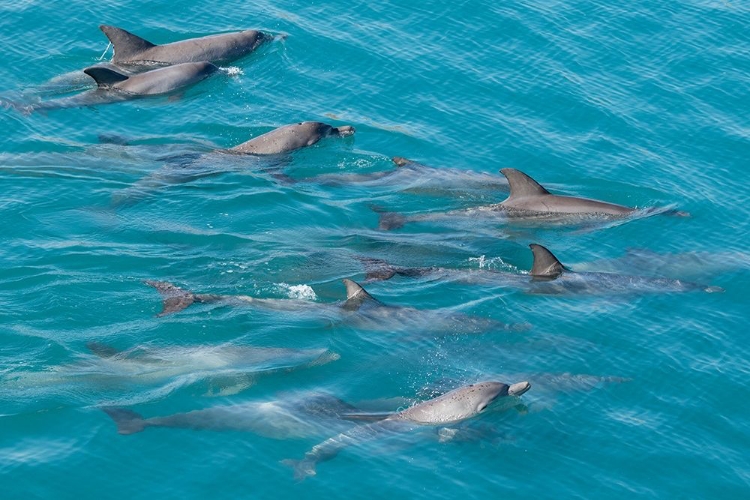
<point>547,276</point>
<point>413,177</point>
<point>114,86</point>
<point>360,309</point>
<point>446,410</point>
<point>528,200</point>
<point>130,49</point>
<point>227,368</point>
<point>288,418</point>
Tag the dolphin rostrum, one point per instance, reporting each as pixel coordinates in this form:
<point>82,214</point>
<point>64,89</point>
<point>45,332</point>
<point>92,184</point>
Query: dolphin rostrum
<point>130,49</point>
<point>528,200</point>
<point>114,86</point>
<point>360,309</point>
<point>446,410</point>
<point>547,276</point>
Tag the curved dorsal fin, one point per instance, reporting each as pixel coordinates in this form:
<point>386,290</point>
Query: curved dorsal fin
<point>105,77</point>
<point>126,44</point>
<point>521,184</point>
<point>355,295</point>
<point>545,264</point>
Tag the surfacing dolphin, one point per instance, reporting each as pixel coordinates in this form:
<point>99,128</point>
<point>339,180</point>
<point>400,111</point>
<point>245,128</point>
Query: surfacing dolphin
<point>290,138</point>
<point>130,49</point>
<point>547,276</point>
<point>273,144</point>
<point>113,86</point>
<point>528,201</point>
<point>444,411</point>
<point>226,368</point>
<point>360,309</point>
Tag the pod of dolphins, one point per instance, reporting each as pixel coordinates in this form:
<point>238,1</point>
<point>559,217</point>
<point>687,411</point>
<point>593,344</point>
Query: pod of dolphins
<point>140,68</point>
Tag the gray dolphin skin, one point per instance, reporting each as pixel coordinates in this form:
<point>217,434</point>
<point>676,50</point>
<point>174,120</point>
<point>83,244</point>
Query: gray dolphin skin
<point>114,86</point>
<point>226,368</point>
<point>449,409</point>
<point>290,138</point>
<point>299,416</point>
<point>547,276</point>
<point>360,309</point>
<point>528,200</point>
<point>130,49</point>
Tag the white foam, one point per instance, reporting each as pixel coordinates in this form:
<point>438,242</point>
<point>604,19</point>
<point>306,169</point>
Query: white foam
<point>233,71</point>
<point>301,292</point>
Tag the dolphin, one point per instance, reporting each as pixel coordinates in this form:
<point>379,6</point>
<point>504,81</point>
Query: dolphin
<point>115,86</point>
<point>263,153</point>
<point>360,309</point>
<point>413,177</point>
<point>528,200</point>
<point>226,368</point>
<point>130,49</point>
<point>291,417</point>
<point>547,276</point>
<point>447,410</point>
<point>290,138</point>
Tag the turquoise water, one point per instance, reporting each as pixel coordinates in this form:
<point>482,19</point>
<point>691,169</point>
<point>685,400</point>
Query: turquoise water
<point>644,104</point>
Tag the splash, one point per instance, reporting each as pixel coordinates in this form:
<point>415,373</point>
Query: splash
<point>233,71</point>
<point>301,292</point>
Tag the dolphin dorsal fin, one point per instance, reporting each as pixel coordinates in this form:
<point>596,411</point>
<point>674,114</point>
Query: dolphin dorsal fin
<point>105,77</point>
<point>521,185</point>
<point>355,296</point>
<point>126,44</point>
<point>174,298</point>
<point>545,264</point>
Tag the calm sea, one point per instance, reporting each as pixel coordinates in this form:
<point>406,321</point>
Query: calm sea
<point>641,103</point>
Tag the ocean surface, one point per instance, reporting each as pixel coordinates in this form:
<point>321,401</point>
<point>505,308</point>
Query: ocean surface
<point>643,103</point>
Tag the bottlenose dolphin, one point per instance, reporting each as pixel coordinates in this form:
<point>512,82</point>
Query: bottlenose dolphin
<point>528,200</point>
<point>130,49</point>
<point>262,153</point>
<point>360,309</point>
<point>296,416</point>
<point>226,368</point>
<point>290,138</point>
<point>547,276</point>
<point>114,86</point>
<point>413,177</point>
<point>446,410</point>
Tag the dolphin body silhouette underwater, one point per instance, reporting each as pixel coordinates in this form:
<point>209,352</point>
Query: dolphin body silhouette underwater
<point>548,276</point>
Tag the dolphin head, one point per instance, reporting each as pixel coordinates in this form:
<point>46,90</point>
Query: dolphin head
<point>464,402</point>
<point>484,394</point>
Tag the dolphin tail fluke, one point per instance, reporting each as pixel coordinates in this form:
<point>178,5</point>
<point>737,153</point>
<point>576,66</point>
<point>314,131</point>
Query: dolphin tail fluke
<point>302,468</point>
<point>102,350</point>
<point>175,298</point>
<point>127,421</point>
<point>126,44</point>
<point>377,269</point>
